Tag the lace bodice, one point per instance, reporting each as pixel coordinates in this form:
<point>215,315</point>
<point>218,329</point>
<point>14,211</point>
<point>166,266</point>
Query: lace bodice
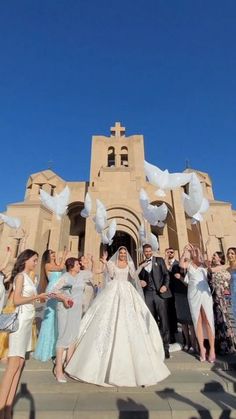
<point>116,273</point>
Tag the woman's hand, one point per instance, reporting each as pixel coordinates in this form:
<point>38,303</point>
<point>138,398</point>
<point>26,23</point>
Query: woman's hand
<point>104,257</point>
<point>41,298</point>
<point>68,303</point>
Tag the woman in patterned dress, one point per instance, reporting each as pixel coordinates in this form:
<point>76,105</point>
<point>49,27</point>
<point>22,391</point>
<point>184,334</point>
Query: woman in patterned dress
<point>220,284</point>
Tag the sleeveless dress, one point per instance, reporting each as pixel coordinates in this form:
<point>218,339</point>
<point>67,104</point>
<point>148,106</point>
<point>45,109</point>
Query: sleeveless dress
<point>233,291</point>
<point>199,295</point>
<point>224,334</point>
<point>119,343</point>
<point>46,344</point>
<point>20,341</point>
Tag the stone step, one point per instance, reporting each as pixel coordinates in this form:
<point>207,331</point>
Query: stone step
<point>159,405</point>
<point>193,390</point>
<point>184,381</point>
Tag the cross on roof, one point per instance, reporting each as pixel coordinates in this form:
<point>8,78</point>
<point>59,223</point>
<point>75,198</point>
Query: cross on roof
<point>117,130</point>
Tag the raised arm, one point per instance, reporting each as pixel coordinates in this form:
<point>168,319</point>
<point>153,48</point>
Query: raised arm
<point>185,257</point>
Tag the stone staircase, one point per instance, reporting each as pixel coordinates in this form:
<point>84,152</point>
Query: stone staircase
<point>193,390</point>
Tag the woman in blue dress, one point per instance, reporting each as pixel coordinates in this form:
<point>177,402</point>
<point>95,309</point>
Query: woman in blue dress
<point>50,274</point>
<point>231,256</point>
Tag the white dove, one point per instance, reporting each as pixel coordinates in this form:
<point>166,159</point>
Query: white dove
<point>195,204</point>
<point>100,218</point>
<point>106,237</point>
<point>155,215</point>
<point>142,234</point>
<point>163,179</point>
<point>86,211</point>
<point>152,240</point>
<point>12,222</point>
<point>57,204</point>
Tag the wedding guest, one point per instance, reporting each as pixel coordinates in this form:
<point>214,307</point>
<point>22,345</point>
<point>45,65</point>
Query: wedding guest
<point>183,311</point>
<point>231,256</point>
<point>90,290</point>
<point>25,295</point>
<point>73,284</point>
<point>51,271</point>
<point>4,336</point>
<point>220,284</point>
<point>200,299</point>
<point>155,279</point>
<point>172,265</point>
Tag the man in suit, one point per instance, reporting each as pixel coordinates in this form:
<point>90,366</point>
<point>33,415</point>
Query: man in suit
<point>173,267</point>
<point>155,279</point>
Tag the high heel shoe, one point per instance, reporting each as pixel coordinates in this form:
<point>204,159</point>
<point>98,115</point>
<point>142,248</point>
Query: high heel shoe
<point>202,357</point>
<point>61,379</point>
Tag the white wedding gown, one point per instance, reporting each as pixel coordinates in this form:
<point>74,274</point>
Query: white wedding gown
<point>119,343</point>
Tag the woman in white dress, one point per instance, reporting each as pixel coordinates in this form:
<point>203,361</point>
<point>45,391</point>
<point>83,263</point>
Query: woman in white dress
<point>119,343</point>
<point>20,341</point>
<point>72,283</point>
<point>200,299</point>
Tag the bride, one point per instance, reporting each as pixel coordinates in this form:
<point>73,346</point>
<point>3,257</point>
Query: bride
<point>119,343</point>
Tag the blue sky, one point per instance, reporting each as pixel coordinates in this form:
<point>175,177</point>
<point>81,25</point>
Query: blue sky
<point>69,69</point>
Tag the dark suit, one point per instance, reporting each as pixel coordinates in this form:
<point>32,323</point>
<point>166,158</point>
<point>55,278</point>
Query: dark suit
<point>171,303</point>
<point>156,301</point>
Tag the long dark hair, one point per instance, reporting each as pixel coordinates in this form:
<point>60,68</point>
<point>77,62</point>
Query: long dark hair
<point>20,262</point>
<point>221,256</point>
<point>46,258</point>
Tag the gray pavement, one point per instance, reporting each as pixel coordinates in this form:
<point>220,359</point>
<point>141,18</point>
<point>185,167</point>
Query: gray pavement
<point>193,390</point>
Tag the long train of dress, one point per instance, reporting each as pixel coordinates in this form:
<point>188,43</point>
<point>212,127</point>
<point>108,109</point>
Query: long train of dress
<point>119,343</point>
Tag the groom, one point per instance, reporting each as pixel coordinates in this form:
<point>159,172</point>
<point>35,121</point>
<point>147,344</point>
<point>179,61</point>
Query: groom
<point>154,278</point>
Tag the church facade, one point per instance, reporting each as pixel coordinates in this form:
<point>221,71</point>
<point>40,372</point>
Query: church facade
<point>116,177</point>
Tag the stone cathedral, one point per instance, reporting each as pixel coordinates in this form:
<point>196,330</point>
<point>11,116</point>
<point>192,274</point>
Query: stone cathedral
<point>116,177</point>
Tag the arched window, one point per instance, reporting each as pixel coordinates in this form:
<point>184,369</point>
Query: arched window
<point>124,157</point>
<point>111,157</point>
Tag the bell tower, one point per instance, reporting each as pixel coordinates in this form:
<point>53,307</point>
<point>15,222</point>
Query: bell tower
<point>117,154</point>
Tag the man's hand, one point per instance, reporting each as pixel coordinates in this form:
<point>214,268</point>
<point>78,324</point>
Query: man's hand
<point>163,289</point>
<point>143,283</point>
